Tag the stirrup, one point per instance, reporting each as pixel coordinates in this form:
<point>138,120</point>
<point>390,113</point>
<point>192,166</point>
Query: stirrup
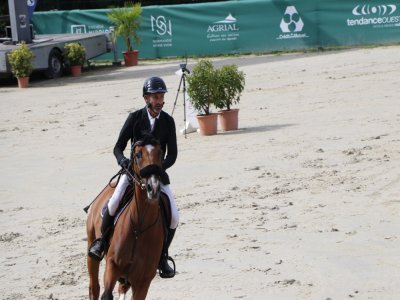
<point>162,274</point>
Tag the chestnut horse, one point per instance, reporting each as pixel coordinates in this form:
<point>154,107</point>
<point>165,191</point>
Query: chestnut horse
<point>136,244</point>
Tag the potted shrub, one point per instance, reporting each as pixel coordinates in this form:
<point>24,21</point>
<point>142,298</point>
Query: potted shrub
<point>75,55</point>
<point>126,21</point>
<point>20,60</point>
<point>202,90</point>
<point>230,86</point>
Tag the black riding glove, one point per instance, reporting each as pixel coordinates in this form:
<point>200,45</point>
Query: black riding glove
<point>124,163</point>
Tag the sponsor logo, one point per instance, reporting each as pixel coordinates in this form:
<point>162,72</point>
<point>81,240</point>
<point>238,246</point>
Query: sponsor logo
<point>78,29</point>
<point>228,24</point>
<point>161,25</point>
<point>375,16</point>
<point>223,30</point>
<point>82,28</point>
<point>378,9</point>
<point>291,25</point>
<point>163,28</point>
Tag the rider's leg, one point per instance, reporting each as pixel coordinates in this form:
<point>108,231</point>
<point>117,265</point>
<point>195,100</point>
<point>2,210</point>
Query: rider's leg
<point>118,194</point>
<point>99,246</point>
<point>166,270</point>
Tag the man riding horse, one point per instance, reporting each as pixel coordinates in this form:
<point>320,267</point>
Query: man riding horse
<point>150,119</point>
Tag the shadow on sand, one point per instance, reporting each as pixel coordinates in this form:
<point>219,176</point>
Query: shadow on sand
<point>263,128</point>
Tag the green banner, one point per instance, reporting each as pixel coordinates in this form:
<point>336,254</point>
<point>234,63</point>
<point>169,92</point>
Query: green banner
<point>359,22</point>
<point>242,26</point>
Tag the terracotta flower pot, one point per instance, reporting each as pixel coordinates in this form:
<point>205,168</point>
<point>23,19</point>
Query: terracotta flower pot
<point>76,70</point>
<point>229,119</point>
<point>208,124</point>
<point>23,82</point>
<point>131,58</point>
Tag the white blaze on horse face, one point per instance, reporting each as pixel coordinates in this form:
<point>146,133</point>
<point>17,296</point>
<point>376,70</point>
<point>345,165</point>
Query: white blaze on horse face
<point>153,182</point>
<point>150,148</point>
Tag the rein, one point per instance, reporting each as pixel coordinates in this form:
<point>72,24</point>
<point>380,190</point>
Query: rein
<point>136,231</point>
<point>139,182</point>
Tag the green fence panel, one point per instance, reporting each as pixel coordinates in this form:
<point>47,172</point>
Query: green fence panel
<point>241,26</point>
<point>359,22</point>
<point>72,21</point>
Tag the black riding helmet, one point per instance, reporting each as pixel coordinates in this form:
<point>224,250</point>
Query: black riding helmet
<point>154,85</point>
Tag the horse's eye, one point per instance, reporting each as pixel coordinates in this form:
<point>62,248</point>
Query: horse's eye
<point>138,154</point>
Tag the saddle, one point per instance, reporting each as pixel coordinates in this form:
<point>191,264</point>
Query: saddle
<point>164,203</point>
<point>126,199</point>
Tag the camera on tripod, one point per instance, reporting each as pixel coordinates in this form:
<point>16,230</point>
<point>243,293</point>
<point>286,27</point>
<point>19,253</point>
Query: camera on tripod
<point>184,69</point>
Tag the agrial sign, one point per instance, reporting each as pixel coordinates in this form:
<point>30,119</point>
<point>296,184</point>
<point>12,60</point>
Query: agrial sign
<point>224,30</point>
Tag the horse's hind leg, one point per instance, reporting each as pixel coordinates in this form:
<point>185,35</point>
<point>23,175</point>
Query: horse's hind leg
<point>94,287</point>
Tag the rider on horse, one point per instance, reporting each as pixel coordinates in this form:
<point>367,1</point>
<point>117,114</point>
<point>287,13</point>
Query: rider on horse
<point>150,119</point>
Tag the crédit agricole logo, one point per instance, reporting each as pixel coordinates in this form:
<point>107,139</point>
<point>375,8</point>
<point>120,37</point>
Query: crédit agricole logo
<point>291,25</point>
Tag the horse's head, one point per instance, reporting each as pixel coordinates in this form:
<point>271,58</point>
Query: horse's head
<point>147,159</point>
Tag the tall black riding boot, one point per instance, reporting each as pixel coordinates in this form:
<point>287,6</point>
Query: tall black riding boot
<point>165,270</point>
<point>97,249</point>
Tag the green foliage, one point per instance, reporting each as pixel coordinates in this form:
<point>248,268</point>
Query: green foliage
<point>202,86</point>
<point>20,60</point>
<point>219,87</point>
<point>75,53</point>
<point>127,21</point>
<point>230,86</point>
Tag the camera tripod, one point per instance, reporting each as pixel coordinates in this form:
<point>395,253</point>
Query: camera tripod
<point>182,82</point>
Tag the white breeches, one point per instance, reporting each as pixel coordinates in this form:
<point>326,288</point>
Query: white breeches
<point>120,190</point>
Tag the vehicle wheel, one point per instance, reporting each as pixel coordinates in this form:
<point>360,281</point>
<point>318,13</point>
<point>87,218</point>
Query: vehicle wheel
<point>56,64</point>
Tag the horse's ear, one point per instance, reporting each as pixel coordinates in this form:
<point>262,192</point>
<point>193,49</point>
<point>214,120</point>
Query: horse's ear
<point>137,143</point>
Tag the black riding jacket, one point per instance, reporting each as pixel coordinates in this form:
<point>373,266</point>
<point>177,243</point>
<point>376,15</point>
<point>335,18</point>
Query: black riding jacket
<point>138,124</point>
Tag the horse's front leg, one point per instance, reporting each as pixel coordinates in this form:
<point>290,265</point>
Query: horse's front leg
<point>141,291</point>
<point>94,287</point>
<point>110,279</point>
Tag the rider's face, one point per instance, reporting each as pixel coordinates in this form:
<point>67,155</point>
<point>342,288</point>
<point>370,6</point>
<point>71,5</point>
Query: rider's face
<point>156,102</point>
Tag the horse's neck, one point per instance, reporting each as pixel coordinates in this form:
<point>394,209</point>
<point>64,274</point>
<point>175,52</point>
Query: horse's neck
<point>143,209</point>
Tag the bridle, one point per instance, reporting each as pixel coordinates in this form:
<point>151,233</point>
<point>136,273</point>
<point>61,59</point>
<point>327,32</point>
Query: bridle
<point>139,178</point>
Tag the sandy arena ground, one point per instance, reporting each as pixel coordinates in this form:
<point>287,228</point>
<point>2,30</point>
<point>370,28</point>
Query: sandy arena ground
<point>302,202</point>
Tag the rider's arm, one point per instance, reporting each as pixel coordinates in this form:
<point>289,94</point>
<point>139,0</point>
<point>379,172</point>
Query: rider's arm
<point>172,148</point>
<point>124,136</point>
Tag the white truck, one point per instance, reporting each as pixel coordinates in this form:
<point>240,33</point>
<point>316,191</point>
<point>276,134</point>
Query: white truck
<point>47,49</point>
